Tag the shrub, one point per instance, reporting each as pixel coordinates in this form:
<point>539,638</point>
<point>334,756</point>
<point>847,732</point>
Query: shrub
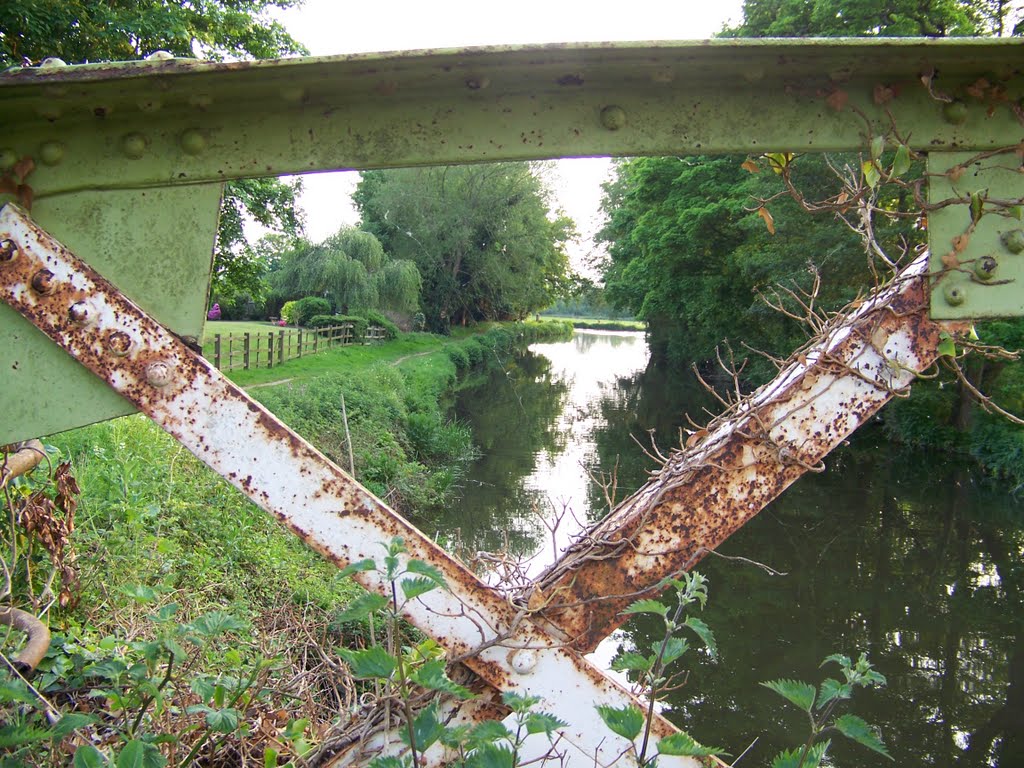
<point>311,306</point>
<point>390,329</point>
<point>458,356</point>
<point>290,312</point>
<point>359,324</point>
<point>474,351</point>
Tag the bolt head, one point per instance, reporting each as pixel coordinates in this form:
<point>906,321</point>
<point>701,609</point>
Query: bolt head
<point>955,112</point>
<point>52,62</point>
<point>954,294</point>
<point>8,251</point>
<point>159,373</point>
<point>119,344</point>
<point>613,117</point>
<point>160,56</point>
<point>985,267</point>
<point>42,282</point>
<point>82,313</point>
<point>133,145</point>
<point>51,152</point>
<point>523,661</point>
<point>1014,240</point>
<point>192,142</point>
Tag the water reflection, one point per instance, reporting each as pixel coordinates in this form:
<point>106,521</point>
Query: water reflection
<point>903,554</point>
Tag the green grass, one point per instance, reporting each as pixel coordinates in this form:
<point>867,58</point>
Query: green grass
<point>599,323</point>
<point>225,327</point>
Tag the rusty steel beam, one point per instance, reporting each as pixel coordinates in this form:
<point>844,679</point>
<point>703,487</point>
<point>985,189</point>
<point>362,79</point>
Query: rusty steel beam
<point>705,493</point>
<point>239,439</point>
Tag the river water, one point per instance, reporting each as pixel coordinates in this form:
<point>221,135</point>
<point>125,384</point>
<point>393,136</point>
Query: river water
<point>909,556</point>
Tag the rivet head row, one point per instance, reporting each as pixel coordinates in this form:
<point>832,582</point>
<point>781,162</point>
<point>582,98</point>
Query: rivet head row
<point>133,145</point>
<point>8,250</point>
<point>119,344</point>
<point>192,142</point>
<point>159,373</point>
<point>81,313</point>
<point>42,282</point>
<point>613,117</point>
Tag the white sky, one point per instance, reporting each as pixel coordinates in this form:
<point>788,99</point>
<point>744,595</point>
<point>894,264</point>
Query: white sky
<point>329,27</point>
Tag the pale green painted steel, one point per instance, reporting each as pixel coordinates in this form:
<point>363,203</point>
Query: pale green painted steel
<point>155,245</point>
<point>111,141</point>
<point>988,280</point>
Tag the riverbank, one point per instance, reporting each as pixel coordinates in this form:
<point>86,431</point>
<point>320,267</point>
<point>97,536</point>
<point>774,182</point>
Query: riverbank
<point>160,544</point>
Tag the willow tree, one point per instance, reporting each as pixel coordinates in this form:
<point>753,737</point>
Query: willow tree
<point>352,271</point>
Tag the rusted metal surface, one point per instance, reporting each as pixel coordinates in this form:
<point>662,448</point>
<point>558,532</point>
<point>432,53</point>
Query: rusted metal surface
<point>246,444</point>
<point>704,494</point>
<point>16,460</point>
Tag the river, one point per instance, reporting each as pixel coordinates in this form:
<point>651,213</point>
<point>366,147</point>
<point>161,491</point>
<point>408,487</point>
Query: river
<point>909,556</point>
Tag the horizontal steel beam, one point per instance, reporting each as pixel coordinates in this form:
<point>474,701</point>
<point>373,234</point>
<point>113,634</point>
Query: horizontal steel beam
<point>161,122</point>
<point>246,444</point>
<point>705,493</point>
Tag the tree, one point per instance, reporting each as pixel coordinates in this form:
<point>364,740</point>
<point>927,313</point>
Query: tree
<point>351,269</point>
<point>79,31</point>
<point>479,234</point>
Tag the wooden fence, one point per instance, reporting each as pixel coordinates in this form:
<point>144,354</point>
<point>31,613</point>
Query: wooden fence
<point>233,351</point>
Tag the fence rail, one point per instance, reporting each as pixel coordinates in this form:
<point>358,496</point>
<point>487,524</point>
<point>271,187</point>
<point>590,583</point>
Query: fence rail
<point>234,351</point>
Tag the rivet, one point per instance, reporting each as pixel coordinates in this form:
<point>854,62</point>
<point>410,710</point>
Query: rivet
<point>523,661</point>
<point>52,62</point>
<point>8,158</point>
<point>160,56</point>
<point>8,250</point>
<point>81,313</point>
<point>42,282</point>
<point>613,117</point>
<point>160,373</point>
<point>192,142</point>
<point>133,145</point>
<point>985,267</point>
<point>119,344</point>
<point>955,295</point>
<point>1013,240</point>
<point>51,152</point>
<point>955,112</point>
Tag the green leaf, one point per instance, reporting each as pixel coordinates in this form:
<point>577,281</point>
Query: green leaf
<point>703,632</point>
<point>87,756</point>
<point>674,648</point>
<point>901,163</point>
<point>977,206</point>
<point>426,569</point>
<point>791,759</point>
<point>372,662</point>
<point>413,588</point>
<point>632,661</point>
<point>491,756</point>
<point>947,347</point>
<point>799,693</point>
<point>519,703</point>
<point>358,567</point>
<point>684,745</point>
<point>838,658</point>
<point>432,675</point>
<point>140,593</point>
<point>216,623</point>
<point>203,687</point>
<point>647,606</point>
<point>833,689</point>
<point>877,147</point>
<point>223,720</point>
<point>165,613</point>
<point>386,762</point>
<point>270,756</point>
<point>427,728</point>
<point>853,727</point>
<point>626,721</point>
<point>871,173</point>
<point>360,608</point>
<point>14,736</point>
<point>139,754</point>
<point>488,732</point>
<point>543,722</point>
<point>14,689</point>
<point>72,722</point>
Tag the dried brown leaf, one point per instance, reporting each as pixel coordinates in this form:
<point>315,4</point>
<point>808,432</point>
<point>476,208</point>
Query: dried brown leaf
<point>837,99</point>
<point>768,220</point>
<point>950,261</point>
<point>750,166</point>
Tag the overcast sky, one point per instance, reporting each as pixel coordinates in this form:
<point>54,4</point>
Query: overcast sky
<point>332,27</point>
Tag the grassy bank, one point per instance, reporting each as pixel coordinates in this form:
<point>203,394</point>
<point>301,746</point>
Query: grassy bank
<point>599,324</point>
<point>178,587</point>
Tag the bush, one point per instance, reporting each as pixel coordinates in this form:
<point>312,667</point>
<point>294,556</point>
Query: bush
<point>474,350</point>
<point>311,306</point>
<point>359,324</point>
<point>390,329</point>
<point>290,312</point>
<point>458,356</point>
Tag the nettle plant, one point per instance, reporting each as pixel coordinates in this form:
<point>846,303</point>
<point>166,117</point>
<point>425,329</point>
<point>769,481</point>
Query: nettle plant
<point>415,676</point>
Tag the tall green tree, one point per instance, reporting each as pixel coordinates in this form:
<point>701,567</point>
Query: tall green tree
<point>350,269</point>
<point>80,31</point>
<point>480,235</point>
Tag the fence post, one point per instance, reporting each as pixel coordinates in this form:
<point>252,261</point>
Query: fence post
<point>270,350</point>
<point>245,351</point>
<point>316,340</point>
<point>298,347</point>
<point>216,351</point>
<point>280,347</point>
<point>231,351</point>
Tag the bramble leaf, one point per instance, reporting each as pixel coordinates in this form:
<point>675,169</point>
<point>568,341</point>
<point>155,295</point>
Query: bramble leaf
<point>360,608</point>
<point>543,722</point>
<point>488,732</point>
<point>647,605</point>
<point>684,745</point>
<point>791,759</point>
<point>370,662</point>
<point>901,163</point>
<point>87,756</point>
<point>216,623</point>
<point>358,567</point>
<point>139,754</point>
<point>491,756</point>
<point>426,569</point>
<point>427,728</point>
<point>413,588</point>
<point>432,675</point>
<point>632,661</point>
<point>704,633</point>
<point>799,693</point>
<point>519,703</point>
<point>832,689</point>
<point>675,647</point>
